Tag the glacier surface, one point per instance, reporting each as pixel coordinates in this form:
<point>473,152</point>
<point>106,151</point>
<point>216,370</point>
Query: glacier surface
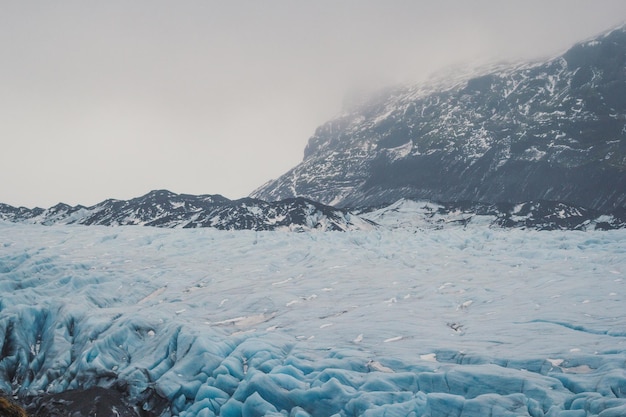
<point>455,322</point>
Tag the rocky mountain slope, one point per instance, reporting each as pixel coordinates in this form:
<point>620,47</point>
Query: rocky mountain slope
<point>552,130</point>
<point>531,215</point>
<point>163,208</point>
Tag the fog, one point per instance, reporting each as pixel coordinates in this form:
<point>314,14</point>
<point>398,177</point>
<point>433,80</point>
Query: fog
<point>114,99</point>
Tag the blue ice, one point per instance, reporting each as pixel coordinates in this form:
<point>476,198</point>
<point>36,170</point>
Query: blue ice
<point>396,323</point>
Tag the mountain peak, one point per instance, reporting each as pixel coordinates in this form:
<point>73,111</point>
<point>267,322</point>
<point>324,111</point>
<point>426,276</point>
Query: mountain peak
<point>550,130</point>
<point>159,193</point>
<point>163,208</point>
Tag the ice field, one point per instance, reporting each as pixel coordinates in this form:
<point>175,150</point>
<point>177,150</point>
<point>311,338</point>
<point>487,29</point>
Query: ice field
<point>458,322</point>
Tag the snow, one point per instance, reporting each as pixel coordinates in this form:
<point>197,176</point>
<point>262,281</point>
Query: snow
<point>459,321</point>
<point>400,152</point>
<point>534,154</point>
<point>477,144</point>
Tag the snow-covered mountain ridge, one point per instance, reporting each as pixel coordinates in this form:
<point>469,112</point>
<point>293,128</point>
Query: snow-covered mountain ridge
<point>533,215</point>
<point>162,208</point>
<point>552,130</point>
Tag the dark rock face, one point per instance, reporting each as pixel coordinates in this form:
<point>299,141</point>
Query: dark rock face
<point>554,130</point>
<point>162,208</point>
<point>91,402</point>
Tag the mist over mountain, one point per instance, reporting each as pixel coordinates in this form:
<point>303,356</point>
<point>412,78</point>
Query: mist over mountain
<point>551,130</point>
<point>533,145</point>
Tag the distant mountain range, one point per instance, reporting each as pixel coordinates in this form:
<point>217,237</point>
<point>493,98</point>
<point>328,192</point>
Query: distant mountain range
<point>552,130</point>
<point>163,208</point>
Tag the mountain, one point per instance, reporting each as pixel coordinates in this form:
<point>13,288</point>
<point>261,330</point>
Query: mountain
<point>551,130</point>
<point>163,208</point>
<point>531,215</point>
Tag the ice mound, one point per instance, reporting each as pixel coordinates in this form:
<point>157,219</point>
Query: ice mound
<point>202,322</point>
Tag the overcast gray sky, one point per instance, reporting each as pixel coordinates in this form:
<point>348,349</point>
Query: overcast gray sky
<point>115,98</point>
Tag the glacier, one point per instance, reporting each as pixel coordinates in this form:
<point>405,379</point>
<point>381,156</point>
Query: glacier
<point>462,321</point>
